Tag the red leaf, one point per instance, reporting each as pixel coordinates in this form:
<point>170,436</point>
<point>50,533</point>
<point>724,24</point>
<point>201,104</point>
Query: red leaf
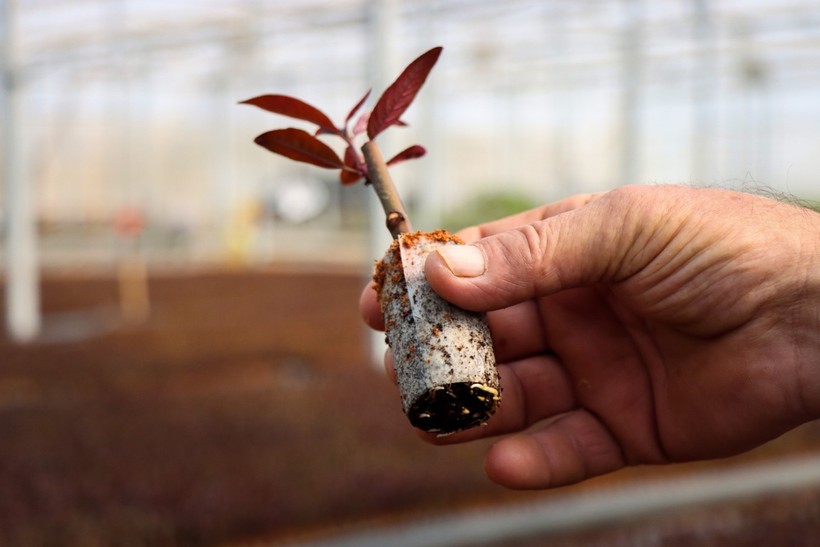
<point>300,146</point>
<point>357,107</point>
<point>295,108</point>
<point>353,168</point>
<point>397,98</point>
<point>361,124</point>
<point>411,153</point>
<point>346,177</point>
<point>352,158</point>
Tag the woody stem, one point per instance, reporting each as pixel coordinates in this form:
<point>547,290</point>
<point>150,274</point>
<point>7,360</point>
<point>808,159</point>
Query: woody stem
<point>379,176</point>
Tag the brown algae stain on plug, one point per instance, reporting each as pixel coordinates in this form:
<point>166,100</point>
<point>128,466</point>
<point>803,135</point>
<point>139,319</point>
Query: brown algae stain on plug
<point>380,271</point>
<point>408,241</point>
<point>437,236</point>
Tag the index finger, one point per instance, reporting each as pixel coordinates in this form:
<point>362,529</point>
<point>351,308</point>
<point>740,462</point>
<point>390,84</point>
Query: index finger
<point>474,233</point>
<point>370,309</point>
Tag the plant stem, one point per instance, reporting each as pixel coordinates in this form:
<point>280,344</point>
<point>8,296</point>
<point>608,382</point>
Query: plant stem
<point>379,176</point>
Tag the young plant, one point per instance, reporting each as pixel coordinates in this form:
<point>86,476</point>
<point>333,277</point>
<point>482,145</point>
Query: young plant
<point>443,355</point>
<point>359,162</point>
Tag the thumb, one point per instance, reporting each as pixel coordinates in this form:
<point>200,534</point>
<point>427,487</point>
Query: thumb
<point>573,249</point>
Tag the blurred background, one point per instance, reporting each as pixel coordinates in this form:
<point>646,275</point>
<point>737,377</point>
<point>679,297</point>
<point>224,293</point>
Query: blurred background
<point>182,359</point>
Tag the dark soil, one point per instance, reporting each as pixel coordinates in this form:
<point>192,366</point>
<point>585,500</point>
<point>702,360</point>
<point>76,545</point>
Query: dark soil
<point>246,407</point>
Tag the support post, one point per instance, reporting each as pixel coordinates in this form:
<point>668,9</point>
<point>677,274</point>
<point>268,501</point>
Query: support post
<point>383,20</point>
<point>631,71</point>
<point>705,78</point>
<point>23,319</point>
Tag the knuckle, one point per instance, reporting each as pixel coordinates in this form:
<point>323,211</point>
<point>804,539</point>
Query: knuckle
<point>536,242</point>
<point>530,253</point>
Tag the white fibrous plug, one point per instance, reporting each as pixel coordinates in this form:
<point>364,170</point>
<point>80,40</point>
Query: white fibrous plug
<point>443,355</point>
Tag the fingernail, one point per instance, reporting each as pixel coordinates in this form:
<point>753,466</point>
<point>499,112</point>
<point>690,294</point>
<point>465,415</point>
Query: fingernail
<point>463,260</point>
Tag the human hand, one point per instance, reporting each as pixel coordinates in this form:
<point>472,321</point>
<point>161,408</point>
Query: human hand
<point>641,326</point>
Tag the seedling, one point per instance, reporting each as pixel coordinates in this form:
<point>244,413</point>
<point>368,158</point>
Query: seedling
<point>359,162</point>
<point>443,354</point>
